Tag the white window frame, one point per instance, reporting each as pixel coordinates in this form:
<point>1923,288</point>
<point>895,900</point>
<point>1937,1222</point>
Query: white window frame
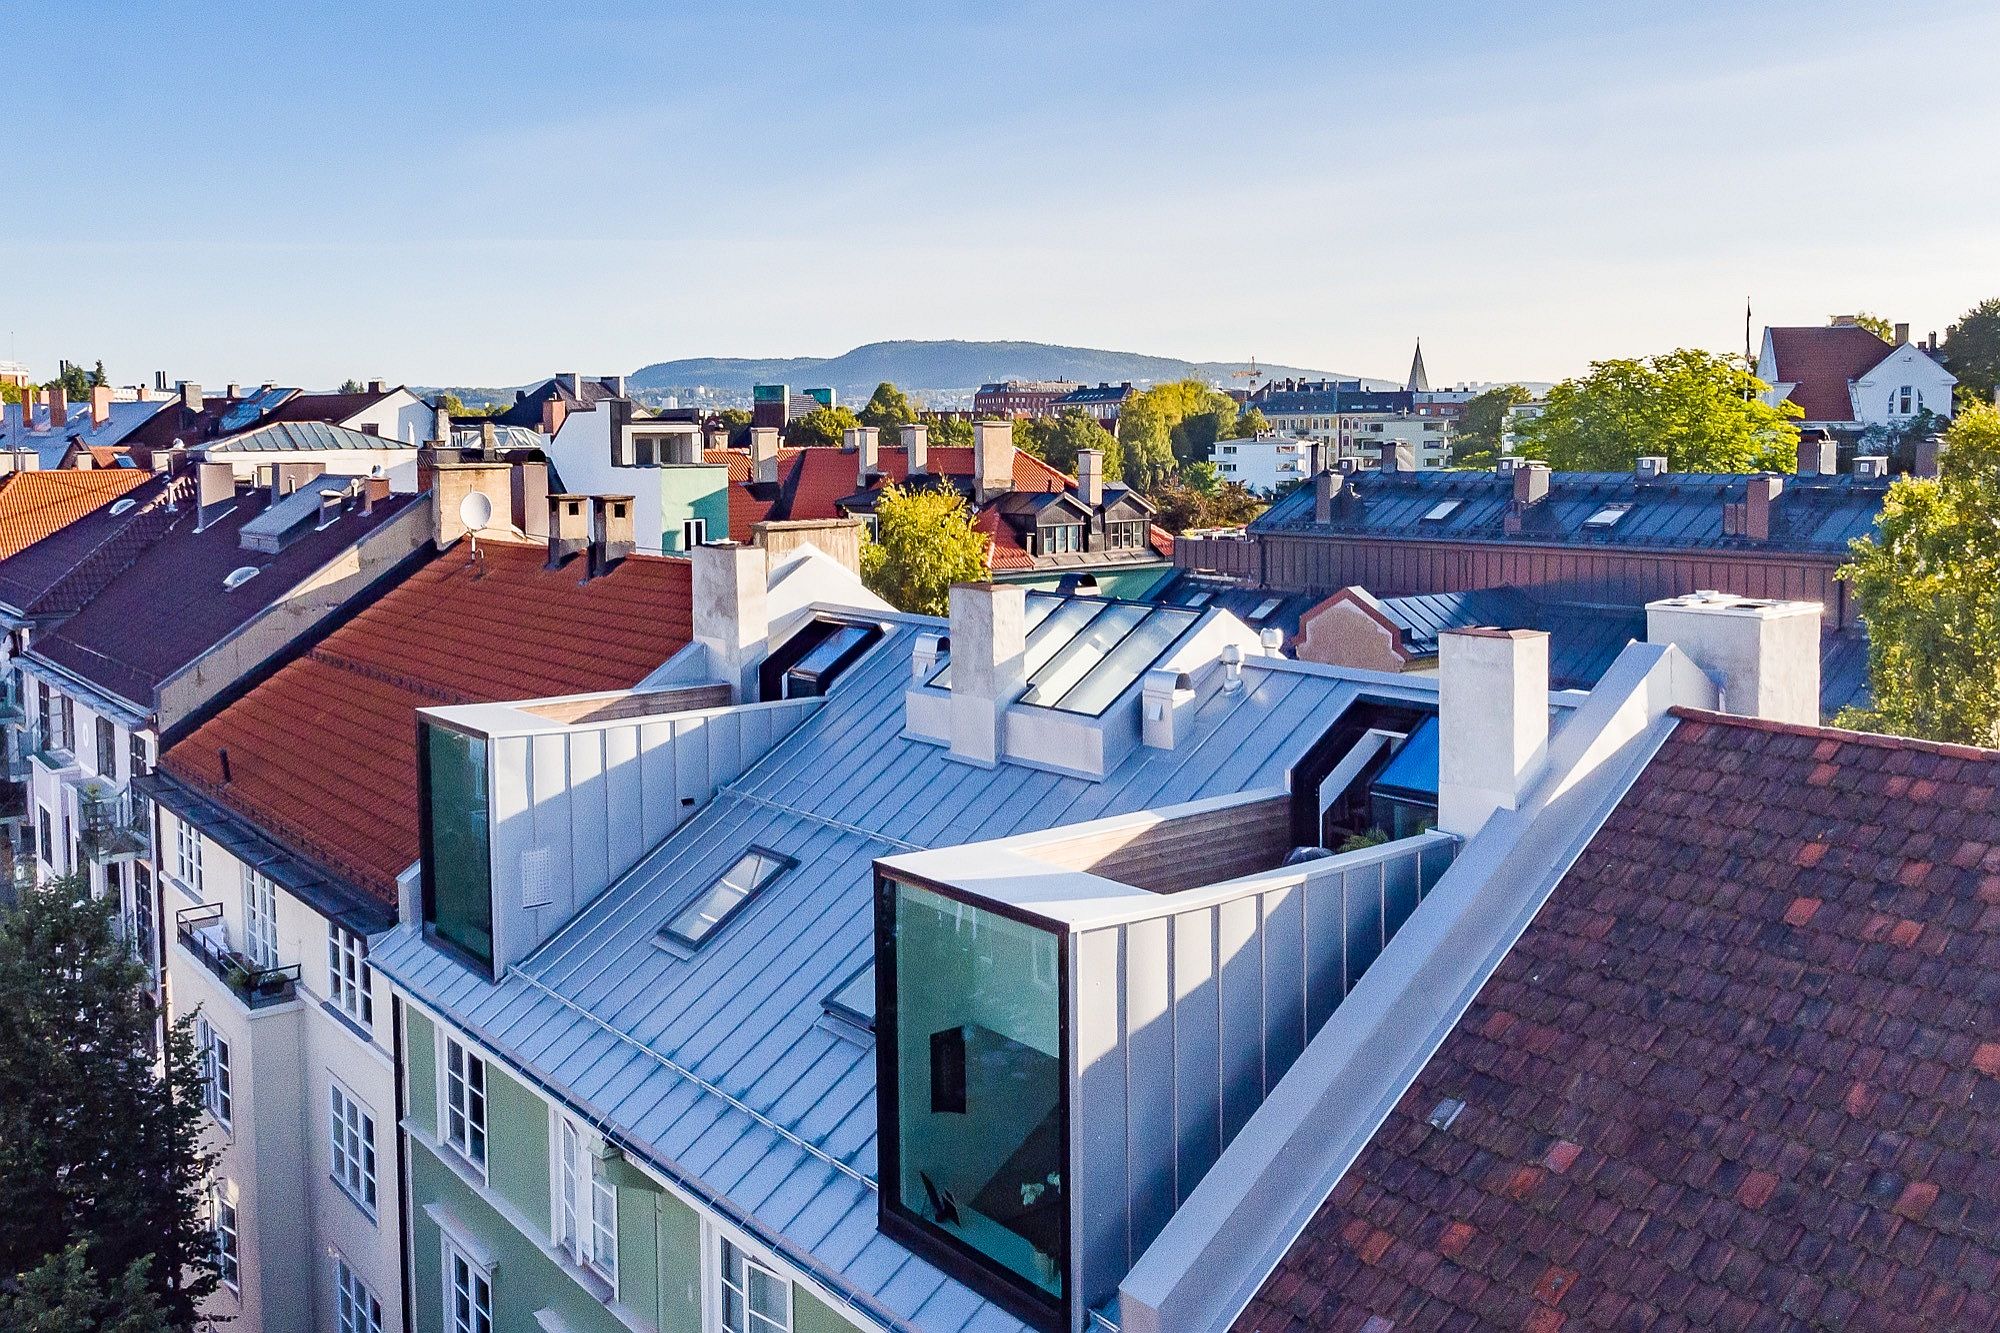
<point>585,1222</point>
<point>355,1309</point>
<point>228,1240</point>
<point>260,919</point>
<point>218,1090</point>
<point>478,1278</point>
<point>351,1147</point>
<point>723,1247</point>
<point>694,532</point>
<point>349,979</point>
<point>462,1099</point>
<point>187,856</point>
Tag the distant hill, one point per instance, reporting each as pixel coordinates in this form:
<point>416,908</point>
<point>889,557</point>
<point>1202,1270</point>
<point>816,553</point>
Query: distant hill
<point>940,366</point>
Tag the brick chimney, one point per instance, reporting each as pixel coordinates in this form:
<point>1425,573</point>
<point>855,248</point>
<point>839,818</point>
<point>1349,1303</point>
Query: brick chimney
<point>555,411</point>
<point>992,460</point>
<point>989,647</point>
<point>731,613</point>
<point>916,446</point>
<point>764,454</point>
<point>569,527</point>
<point>612,532</point>
<point>1090,477</point>
<point>1493,722</point>
<point>1930,451</point>
<point>1757,506</point>
<point>1531,482</point>
<point>190,396</point>
<point>1764,655</point>
<point>58,408</point>
<point>1818,455</point>
<point>864,441</point>
<point>100,405</point>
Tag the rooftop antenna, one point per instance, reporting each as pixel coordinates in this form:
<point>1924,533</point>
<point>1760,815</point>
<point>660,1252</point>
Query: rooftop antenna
<point>475,511</point>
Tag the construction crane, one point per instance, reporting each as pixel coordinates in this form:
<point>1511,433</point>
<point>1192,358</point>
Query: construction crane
<point>1251,373</point>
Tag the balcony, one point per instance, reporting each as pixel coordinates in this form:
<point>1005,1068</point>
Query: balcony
<point>52,747</point>
<point>116,821</point>
<point>202,933</point>
<point>12,711</point>
<point>13,798</point>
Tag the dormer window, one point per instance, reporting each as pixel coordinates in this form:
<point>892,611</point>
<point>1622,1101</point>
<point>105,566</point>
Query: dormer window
<point>1059,538</point>
<point>1126,535</point>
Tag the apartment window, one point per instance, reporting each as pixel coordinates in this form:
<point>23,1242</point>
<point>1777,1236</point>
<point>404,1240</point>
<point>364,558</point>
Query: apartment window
<point>1061,537</point>
<point>1132,535</point>
<point>468,1293</point>
<point>1905,400</point>
<point>222,1214</point>
<point>142,764</point>
<point>694,532</point>
<point>217,1089</point>
<point>740,883</point>
<point>349,977</point>
<point>187,856</point>
<point>107,748</point>
<point>353,1142</point>
<point>42,705</point>
<point>355,1309</point>
<point>588,1205</point>
<point>755,1299</point>
<point>45,828</point>
<point>66,711</point>
<point>465,1103</point>
<point>260,919</point>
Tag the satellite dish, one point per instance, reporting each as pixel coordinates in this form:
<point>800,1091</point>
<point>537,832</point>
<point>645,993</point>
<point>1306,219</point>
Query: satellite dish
<point>475,511</point>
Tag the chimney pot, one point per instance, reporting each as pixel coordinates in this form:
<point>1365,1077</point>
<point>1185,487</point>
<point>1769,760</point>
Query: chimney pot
<point>1166,708</point>
<point>232,391</point>
<point>989,645</point>
<point>731,612</point>
<point>1764,655</point>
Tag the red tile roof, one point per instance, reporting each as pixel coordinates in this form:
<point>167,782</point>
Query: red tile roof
<point>824,477</point>
<point>330,407</point>
<point>1742,1071</point>
<point>1821,360</point>
<point>323,752</point>
<point>33,505</point>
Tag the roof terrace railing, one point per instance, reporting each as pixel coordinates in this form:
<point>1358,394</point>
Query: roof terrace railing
<point>117,822</point>
<point>202,933</point>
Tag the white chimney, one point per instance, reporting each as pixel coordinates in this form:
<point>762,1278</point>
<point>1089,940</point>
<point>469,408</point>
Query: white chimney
<point>1090,477</point>
<point>1493,722</point>
<point>764,454</point>
<point>215,483</point>
<point>989,648</point>
<point>992,459</point>
<point>1763,655</point>
<point>731,618</point>
<point>863,440</point>
<point>916,446</point>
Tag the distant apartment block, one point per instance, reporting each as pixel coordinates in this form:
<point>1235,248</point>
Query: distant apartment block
<point>1021,398</point>
<point>1104,402</point>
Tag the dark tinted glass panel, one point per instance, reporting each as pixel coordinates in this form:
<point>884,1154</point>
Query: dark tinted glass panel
<point>458,889</point>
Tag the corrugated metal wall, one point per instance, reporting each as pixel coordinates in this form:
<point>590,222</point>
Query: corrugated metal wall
<point>1183,1024</point>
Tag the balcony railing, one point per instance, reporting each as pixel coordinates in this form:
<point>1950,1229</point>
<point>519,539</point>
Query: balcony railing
<point>12,711</point>
<point>52,747</point>
<point>202,933</point>
<point>117,821</point>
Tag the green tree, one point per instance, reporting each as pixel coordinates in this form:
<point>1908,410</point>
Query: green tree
<point>1700,410</point>
<point>887,408</point>
<point>822,427</point>
<point>736,421</point>
<point>64,1294</point>
<point>948,432</point>
<point>74,381</point>
<point>98,379</point>
<point>1971,351</point>
<point>461,411</point>
<point>924,543</point>
<point>1179,505</point>
<point>1877,325</point>
<point>1484,421</point>
<point>1250,423</point>
<point>1928,582</point>
<point>351,385</point>
<point>1058,439</point>
<point>94,1145</point>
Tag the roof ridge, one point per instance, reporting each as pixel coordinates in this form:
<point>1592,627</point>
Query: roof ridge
<point>1872,739</point>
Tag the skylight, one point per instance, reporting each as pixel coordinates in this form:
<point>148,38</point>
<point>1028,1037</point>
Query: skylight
<point>1608,516</point>
<point>1270,604</point>
<point>1442,509</point>
<point>724,898</point>
<point>122,506</point>
<point>237,577</point>
<point>853,1001</point>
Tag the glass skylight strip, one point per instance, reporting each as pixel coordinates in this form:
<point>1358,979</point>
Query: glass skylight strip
<point>1082,653</point>
<point>1132,658</point>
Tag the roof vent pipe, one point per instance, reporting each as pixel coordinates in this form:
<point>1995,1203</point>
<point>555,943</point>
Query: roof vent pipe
<point>1166,708</point>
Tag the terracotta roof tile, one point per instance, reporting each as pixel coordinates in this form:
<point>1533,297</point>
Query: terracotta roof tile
<point>323,752</point>
<point>1719,1082</point>
<point>34,505</point>
<point>1820,361</point>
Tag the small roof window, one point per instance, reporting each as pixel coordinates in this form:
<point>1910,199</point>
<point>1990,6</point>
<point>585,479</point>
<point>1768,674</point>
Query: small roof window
<point>1442,509</point>
<point>1607,516</point>
<point>237,577</point>
<point>720,901</point>
<point>853,1000</point>
<point>123,506</point>
<point>1199,599</point>
<point>1267,606</point>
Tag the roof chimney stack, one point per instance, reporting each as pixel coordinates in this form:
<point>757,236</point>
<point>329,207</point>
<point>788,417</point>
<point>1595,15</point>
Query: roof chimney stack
<point>569,527</point>
<point>612,532</point>
<point>1902,334</point>
<point>989,646</point>
<point>1930,452</point>
<point>1493,722</point>
<point>863,441</point>
<point>1326,485</point>
<point>615,383</point>
<point>190,396</point>
<point>232,391</point>
<point>1399,456</point>
<point>992,459</point>
<point>764,454</point>
<point>100,406</point>
<point>215,484</point>
<point>1531,482</point>
<point>1757,506</point>
<point>555,410</point>
<point>1818,455</point>
<point>916,446</point>
<point>1870,467</point>
<point>1090,477</point>
<point>58,407</point>
<point>731,616</point>
<point>1650,467</point>
<point>1763,654</point>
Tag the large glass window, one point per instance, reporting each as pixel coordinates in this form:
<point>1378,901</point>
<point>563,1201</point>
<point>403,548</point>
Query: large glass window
<point>978,1124</point>
<point>260,919</point>
<point>458,899</point>
<point>755,1299</point>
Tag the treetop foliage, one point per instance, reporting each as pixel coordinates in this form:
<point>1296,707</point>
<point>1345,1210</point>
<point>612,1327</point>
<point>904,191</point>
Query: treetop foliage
<point>924,543</point>
<point>1700,410</point>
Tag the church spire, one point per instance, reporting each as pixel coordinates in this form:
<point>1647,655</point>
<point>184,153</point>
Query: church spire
<point>1419,381</point>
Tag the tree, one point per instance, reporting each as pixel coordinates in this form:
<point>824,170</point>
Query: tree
<point>1187,415</point>
<point>1700,410</point>
<point>350,385</point>
<point>457,408</point>
<point>1480,427</point>
<point>1877,325</point>
<point>820,428</point>
<point>1179,505</point>
<point>64,1294</point>
<point>887,408</point>
<point>1971,351</point>
<point>1250,423</point>
<point>924,543</point>
<point>1058,439</point>
<point>95,1147</point>
<point>1897,441</point>
<point>736,422</point>
<point>75,382</point>
<point>1928,583</point>
<point>98,379</point>
<point>948,432</point>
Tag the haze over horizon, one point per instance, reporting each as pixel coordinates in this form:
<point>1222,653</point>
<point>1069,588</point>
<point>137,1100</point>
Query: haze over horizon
<point>482,194</point>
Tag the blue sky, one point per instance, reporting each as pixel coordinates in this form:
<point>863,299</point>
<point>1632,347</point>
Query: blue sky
<point>445,193</point>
